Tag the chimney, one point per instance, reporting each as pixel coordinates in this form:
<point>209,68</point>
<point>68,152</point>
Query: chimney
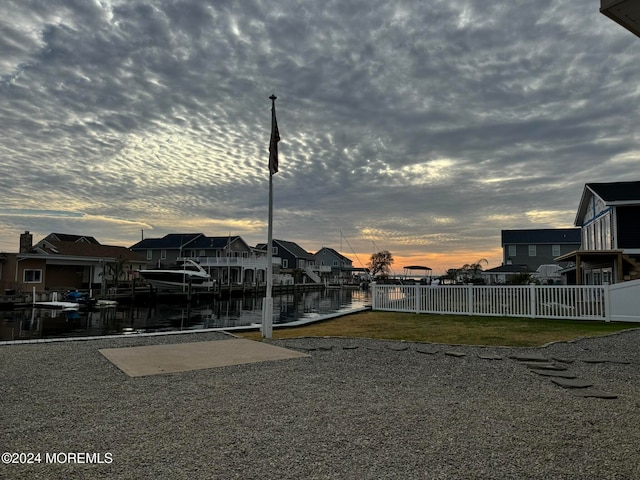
<point>26,242</point>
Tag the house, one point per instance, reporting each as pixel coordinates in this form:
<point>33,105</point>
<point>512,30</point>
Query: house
<point>609,219</point>
<point>293,259</point>
<point>341,267</point>
<point>64,262</point>
<point>229,259</point>
<point>532,248</point>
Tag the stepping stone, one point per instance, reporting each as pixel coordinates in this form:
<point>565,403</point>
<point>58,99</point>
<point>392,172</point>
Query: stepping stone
<point>306,349</point>
<point>571,382</point>
<point>489,356</point>
<point>455,354</point>
<point>554,373</point>
<point>594,360</point>
<point>562,359</point>
<point>428,351</point>
<point>398,348</point>
<point>529,358</point>
<point>590,393</point>
<point>545,366</point>
<point>350,347</point>
<point>619,361</point>
<point>326,348</point>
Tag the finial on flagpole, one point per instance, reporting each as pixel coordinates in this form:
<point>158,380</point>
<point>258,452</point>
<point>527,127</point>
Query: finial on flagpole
<point>272,98</point>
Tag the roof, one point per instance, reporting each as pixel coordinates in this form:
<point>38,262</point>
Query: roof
<point>508,269</point>
<point>335,253</point>
<point>614,193</point>
<point>553,236</point>
<point>296,250</point>
<point>170,241</point>
<point>83,249</point>
<point>65,237</point>
<point>618,192</point>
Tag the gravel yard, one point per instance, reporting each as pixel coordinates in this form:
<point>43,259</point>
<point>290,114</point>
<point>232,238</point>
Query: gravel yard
<point>356,408</point>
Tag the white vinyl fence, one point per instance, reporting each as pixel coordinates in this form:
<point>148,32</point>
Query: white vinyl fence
<point>619,302</point>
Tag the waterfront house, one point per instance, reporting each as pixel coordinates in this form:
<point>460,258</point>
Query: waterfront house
<point>64,262</point>
<point>341,267</point>
<point>229,259</point>
<point>296,261</point>
<point>609,219</point>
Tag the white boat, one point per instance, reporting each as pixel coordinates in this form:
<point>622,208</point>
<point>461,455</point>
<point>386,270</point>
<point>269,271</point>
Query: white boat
<point>189,273</point>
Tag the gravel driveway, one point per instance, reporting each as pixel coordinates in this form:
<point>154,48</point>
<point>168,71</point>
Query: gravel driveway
<point>355,408</point>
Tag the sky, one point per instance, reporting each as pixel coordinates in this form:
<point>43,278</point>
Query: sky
<point>419,127</point>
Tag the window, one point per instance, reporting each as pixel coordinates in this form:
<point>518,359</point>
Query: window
<point>512,250</point>
<point>163,254</point>
<point>532,250</point>
<point>555,250</point>
<point>149,254</point>
<point>32,276</point>
<point>285,263</point>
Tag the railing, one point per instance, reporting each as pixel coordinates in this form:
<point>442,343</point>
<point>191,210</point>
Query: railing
<point>245,262</point>
<point>589,302</point>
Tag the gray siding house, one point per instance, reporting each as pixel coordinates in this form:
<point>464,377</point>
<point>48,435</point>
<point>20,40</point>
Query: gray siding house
<point>532,248</point>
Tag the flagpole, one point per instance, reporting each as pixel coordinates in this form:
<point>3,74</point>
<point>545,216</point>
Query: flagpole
<point>267,304</point>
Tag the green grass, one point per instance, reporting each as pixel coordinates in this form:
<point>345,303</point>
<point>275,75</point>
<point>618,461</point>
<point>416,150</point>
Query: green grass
<point>451,329</point>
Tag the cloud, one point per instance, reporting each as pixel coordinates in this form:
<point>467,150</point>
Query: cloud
<point>425,127</point>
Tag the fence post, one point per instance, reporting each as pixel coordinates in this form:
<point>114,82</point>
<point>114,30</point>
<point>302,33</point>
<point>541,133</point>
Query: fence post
<point>374,295</point>
<point>470,299</point>
<point>532,299</point>
<point>606,302</point>
<point>417,297</point>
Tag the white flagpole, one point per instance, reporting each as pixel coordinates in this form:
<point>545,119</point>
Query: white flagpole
<point>267,304</point>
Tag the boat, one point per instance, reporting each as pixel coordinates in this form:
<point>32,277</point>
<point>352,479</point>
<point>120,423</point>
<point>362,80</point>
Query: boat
<point>181,277</point>
<point>56,304</point>
<point>84,300</point>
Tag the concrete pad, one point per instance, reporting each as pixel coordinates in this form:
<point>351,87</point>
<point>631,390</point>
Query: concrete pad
<point>184,357</point>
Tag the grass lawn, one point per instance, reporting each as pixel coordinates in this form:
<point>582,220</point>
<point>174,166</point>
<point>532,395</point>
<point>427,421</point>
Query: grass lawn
<point>451,329</point>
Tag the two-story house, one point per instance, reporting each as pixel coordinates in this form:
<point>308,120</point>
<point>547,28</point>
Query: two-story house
<point>609,218</point>
<point>341,267</point>
<point>294,260</point>
<point>532,248</point>
<point>228,259</point>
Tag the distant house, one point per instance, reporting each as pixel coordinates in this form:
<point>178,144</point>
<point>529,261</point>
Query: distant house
<point>532,248</point>
<point>609,218</point>
<point>341,267</point>
<point>229,259</point>
<point>63,262</point>
<point>294,258</point>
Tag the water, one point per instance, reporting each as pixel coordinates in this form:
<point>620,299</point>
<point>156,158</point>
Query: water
<point>38,323</point>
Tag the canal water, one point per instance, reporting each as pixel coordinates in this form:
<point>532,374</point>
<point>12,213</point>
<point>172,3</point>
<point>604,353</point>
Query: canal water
<point>39,323</point>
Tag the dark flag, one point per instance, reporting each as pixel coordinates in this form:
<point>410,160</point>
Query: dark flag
<point>275,138</point>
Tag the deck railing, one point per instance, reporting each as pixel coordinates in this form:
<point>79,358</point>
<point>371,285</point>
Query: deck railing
<point>584,302</point>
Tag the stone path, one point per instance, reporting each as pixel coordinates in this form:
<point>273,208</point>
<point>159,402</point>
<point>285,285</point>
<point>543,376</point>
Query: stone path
<point>554,368</point>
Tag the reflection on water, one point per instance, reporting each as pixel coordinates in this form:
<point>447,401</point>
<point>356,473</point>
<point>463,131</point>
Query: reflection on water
<point>32,323</point>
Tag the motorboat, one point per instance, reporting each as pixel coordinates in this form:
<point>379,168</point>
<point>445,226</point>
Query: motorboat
<point>180,277</point>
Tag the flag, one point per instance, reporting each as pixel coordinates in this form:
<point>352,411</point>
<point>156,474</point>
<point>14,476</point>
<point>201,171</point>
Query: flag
<point>275,138</point>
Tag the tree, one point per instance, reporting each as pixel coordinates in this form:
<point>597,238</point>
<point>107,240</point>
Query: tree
<point>380,263</point>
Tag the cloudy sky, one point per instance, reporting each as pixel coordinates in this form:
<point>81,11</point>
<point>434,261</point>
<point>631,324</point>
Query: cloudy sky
<point>419,127</point>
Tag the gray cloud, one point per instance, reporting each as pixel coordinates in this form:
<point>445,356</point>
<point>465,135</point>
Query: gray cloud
<point>420,127</point>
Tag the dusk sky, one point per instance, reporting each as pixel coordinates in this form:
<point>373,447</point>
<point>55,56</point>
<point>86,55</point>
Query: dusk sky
<point>419,127</point>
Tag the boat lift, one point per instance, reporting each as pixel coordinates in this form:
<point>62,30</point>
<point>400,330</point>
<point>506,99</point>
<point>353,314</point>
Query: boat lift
<point>409,275</point>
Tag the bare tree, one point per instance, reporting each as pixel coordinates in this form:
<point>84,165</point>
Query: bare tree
<point>380,263</point>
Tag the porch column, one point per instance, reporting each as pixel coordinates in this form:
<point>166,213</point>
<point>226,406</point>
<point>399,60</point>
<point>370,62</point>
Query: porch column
<point>578,272</point>
<point>620,272</point>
